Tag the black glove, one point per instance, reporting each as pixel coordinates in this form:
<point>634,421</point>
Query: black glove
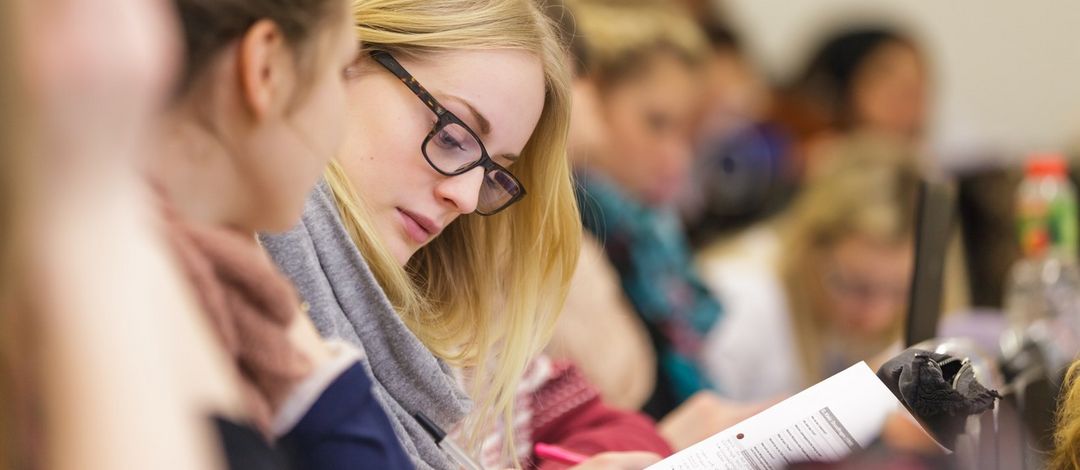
<point>940,390</point>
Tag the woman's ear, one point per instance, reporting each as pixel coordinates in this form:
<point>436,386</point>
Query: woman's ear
<point>264,66</point>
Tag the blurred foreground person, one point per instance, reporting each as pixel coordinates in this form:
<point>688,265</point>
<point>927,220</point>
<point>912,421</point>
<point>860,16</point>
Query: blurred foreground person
<point>98,317</point>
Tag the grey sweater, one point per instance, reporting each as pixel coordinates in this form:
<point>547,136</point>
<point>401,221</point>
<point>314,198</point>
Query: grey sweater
<point>346,302</point>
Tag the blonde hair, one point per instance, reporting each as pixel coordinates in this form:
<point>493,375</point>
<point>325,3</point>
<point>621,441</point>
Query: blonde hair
<point>622,35</point>
<point>867,187</point>
<point>1066,454</point>
<point>485,294</point>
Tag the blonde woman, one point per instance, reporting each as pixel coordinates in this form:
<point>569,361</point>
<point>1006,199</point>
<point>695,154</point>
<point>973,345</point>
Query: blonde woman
<point>825,286</point>
<point>457,109</point>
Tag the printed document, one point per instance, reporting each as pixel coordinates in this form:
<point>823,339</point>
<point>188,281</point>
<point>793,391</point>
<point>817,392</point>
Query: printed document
<point>823,423</point>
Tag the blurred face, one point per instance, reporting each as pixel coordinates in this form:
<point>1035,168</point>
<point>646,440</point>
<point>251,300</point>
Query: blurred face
<point>292,147</point>
<point>499,94</point>
<point>587,133</point>
<point>732,93</point>
<point>93,69</point>
<point>890,91</point>
<point>865,285</point>
<point>650,122</point>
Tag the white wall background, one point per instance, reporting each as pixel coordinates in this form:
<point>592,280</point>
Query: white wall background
<point>1007,72</point>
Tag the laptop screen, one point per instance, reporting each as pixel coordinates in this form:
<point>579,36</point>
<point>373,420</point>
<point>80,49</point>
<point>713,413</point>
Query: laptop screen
<point>933,227</point>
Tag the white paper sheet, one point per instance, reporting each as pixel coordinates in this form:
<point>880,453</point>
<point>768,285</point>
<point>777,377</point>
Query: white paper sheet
<point>822,423</point>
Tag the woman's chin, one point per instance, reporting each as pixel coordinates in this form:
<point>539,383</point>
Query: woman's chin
<point>403,251</point>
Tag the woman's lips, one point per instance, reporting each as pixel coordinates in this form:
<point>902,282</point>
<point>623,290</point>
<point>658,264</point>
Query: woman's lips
<point>419,228</point>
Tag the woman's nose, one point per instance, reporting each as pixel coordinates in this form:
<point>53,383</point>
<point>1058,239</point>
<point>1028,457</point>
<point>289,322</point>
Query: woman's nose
<point>461,191</point>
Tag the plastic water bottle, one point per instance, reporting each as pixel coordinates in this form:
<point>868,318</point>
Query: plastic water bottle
<point>1046,209</point>
<point>1042,299</point>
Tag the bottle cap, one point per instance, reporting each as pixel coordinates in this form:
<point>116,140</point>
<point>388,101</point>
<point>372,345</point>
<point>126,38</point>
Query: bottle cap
<point>1047,164</point>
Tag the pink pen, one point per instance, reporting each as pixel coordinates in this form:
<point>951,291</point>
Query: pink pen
<point>558,454</point>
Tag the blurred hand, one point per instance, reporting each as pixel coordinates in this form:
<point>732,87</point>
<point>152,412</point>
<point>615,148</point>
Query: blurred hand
<point>306,339</point>
<point>703,415</point>
<point>619,461</point>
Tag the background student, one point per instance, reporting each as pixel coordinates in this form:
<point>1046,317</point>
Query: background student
<point>825,284</point>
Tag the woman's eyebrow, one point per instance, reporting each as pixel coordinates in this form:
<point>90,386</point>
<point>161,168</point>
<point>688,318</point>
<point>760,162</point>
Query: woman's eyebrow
<point>485,125</point>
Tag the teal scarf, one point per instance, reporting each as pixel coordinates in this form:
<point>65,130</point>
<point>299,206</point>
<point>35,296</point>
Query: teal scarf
<point>647,247</point>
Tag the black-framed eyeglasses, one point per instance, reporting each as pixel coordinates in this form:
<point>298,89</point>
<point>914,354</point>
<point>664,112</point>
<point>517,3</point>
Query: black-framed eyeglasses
<point>452,148</point>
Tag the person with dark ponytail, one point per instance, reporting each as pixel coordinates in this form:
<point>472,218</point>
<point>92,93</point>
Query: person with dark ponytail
<point>861,78</point>
<point>258,113</point>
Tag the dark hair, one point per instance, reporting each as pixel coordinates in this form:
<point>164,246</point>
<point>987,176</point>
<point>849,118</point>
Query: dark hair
<point>210,25</point>
<point>715,22</point>
<point>828,78</point>
<point>721,36</point>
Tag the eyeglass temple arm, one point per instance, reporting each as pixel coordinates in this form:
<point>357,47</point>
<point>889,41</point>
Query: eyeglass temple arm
<point>390,63</point>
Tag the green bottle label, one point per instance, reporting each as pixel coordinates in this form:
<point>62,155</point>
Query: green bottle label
<point>1062,227</point>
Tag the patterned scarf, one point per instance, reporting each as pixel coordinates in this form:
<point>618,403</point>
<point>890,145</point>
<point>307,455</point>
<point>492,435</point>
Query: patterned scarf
<point>648,249</point>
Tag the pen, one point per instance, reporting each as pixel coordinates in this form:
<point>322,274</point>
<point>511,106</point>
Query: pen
<point>558,454</point>
<point>453,451</point>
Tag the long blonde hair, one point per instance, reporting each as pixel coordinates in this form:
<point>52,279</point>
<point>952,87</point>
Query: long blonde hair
<point>1066,454</point>
<point>485,294</point>
<point>866,188</point>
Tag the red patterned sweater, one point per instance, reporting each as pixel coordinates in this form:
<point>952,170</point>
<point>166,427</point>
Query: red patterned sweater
<point>557,405</point>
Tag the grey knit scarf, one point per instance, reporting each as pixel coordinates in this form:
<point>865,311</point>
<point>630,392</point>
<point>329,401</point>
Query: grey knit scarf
<point>346,302</point>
